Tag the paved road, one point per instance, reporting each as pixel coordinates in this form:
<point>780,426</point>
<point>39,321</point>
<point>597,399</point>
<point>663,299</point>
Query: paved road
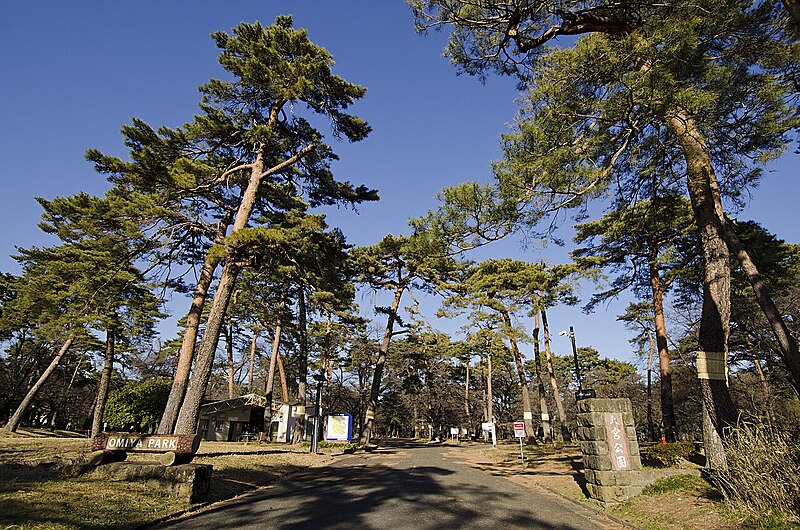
<point>403,486</point>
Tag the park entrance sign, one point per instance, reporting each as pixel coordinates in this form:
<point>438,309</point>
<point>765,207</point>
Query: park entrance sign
<point>176,448</point>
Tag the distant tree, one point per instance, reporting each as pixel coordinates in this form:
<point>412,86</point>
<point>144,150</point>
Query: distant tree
<point>398,264</point>
<point>649,245</point>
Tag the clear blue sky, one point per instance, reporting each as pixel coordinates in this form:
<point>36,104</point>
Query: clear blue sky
<point>74,72</point>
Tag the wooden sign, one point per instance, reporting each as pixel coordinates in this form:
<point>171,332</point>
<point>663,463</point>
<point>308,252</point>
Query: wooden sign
<point>176,448</point>
<point>618,449</point>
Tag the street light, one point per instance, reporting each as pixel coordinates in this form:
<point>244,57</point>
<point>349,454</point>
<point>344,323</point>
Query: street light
<point>317,416</point>
<point>581,393</point>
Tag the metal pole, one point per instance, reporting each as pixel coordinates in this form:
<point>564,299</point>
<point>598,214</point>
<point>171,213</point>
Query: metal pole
<point>317,415</point>
<point>575,356</point>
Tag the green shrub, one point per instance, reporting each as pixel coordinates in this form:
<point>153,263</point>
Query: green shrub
<point>666,455</point>
<point>762,478</point>
<point>344,446</point>
<point>138,403</point>
<point>676,483</point>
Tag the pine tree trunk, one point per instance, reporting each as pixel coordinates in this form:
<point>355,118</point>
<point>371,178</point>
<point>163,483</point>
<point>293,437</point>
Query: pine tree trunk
<point>198,382</point>
<point>102,388</point>
<point>284,381</point>
<point>375,389</point>
<point>252,366</point>
<point>784,338</point>
<point>300,421</point>
<point>229,361</point>
<point>546,427</point>
<point>466,396</point>
<point>327,363</point>
<point>715,319</point>
<point>186,353</point>
<point>651,435</point>
<point>562,416</point>
<point>273,361</point>
<point>489,390</point>
<point>664,367</point>
<point>16,418</point>
<point>527,411</point>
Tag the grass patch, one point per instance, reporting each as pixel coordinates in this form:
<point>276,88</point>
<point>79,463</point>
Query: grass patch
<point>678,483</point>
<point>682,502</point>
<point>35,492</point>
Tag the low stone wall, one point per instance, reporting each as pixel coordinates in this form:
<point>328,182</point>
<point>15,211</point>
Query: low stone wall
<point>189,481</point>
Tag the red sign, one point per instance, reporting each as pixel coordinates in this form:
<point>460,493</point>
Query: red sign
<point>519,429</point>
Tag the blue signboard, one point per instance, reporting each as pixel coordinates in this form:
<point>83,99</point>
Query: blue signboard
<point>339,428</point>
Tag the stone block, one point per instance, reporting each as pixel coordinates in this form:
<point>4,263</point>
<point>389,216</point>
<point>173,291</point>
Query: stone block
<point>601,463</point>
<point>189,481</point>
<point>606,478</point>
<point>590,434</point>
<point>595,448</point>
<point>630,432</point>
<point>613,494</point>
<point>604,405</point>
<point>589,419</point>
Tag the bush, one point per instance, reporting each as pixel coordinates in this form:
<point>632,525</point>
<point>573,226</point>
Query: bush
<point>344,446</point>
<point>762,478</point>
<point>666,455</point>
<point>138,403</point>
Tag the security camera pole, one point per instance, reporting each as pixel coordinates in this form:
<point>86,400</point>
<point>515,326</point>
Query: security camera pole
<point>317,413</point>
<point>581,392</point>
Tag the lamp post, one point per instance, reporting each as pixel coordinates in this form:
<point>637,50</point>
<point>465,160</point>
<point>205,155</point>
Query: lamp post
<point>581,393</point>
<point>317,416</point>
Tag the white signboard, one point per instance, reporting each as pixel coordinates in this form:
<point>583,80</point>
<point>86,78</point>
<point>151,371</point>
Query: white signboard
<point>519,429</point>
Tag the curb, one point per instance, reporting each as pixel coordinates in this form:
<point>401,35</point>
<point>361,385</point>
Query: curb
<point>200,506</point>
<point>591,507</point>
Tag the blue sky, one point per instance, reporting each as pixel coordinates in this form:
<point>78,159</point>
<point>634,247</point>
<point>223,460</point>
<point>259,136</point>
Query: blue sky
<point>74,72</point>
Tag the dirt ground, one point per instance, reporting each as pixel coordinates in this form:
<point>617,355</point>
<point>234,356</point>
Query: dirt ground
<point>693,507</point>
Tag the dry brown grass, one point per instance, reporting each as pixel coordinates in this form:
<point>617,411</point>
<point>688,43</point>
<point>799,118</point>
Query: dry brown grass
<point>35,493</point>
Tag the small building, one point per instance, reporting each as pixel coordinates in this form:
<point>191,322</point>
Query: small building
<point>227,419</point>
<point>284,419</point>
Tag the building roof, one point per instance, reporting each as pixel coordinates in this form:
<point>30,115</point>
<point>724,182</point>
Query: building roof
<point>227,404</point>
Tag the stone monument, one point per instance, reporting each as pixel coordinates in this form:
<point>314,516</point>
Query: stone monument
<point>612,466</point>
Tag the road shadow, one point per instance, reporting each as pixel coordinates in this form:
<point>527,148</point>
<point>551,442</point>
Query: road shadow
<point>549,465</point>
<point>352,496</point>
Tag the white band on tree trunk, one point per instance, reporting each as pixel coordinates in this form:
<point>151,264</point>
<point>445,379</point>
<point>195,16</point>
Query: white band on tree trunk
<point>712,366</point>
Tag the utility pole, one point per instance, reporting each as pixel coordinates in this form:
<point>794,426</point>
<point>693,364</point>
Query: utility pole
<point>581,393</point>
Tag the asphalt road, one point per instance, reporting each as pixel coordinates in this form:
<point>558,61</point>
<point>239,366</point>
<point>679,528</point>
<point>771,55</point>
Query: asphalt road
<point>403,486</point>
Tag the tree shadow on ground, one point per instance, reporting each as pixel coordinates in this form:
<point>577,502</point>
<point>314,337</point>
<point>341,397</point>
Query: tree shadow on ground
<point>571,466</point>
<point>353,496</point>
